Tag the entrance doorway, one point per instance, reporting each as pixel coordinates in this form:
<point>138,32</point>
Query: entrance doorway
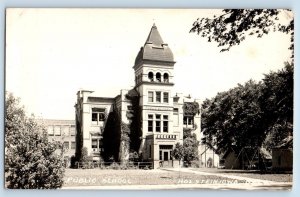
<point>165,152</point>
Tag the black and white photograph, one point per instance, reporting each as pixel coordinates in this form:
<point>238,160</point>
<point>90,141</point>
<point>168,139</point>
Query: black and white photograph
<point>149,99</point>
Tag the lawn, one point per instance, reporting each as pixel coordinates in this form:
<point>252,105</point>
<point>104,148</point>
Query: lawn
<point>98,177</point>
<point>284,177</point>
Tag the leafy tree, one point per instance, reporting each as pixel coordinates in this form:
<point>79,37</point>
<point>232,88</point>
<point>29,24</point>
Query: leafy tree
<point>178,152</point>
<point>277,104</point>
<point>250,115</point>
<point>30,158</point>
<point>233,25</point>
<point>233,118</point>
<point>189,150</point>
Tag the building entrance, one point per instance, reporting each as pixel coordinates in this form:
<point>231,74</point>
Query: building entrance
<point>165,152</point>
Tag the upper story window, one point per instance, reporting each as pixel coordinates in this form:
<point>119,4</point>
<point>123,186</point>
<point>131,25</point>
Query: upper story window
<point>98,115</point>
<point>188,120</point>
<point>175,111</point>
<point>72,130</point>
<point>65,130</point>
<point>158,97</point>
<point>150,76</point>
<point>166,97</point>
<point>57,131</point>
<point>150,96</point>
<point>166,78</point>
<point>150,123</point>
<point>50,130</point>
<point>158,77</point>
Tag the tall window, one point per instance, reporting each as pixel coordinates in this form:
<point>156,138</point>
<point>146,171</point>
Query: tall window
<point>166,78</point>
<point>98,115</point>
<point>150,123</point>
<point>57,131</point>
<point>150,76</point>
<point>158,77</point>
<point>158,97</point>
<point>65,130</point>
<point>165,124</point>
<point>150,97</point>
<point>50,130</point>
<point>157,123</point>
<point>73,145</point>
<point>72,130</point>
<point>94,143</point>
<point>166,97</point>
<point>66,145</point>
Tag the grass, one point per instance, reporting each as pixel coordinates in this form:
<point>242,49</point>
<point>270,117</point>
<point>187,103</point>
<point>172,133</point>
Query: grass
<point>97,177</point>
<point>277,177</point>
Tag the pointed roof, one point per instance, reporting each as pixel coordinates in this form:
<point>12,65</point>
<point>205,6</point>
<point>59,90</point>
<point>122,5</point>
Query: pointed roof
<point>154,37</point>
<point>154,49</point>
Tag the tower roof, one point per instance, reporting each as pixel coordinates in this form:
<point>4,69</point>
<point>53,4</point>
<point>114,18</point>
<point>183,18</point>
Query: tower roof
<point>154,49</point>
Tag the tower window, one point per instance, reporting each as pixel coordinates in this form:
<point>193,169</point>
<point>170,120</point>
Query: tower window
<point>166,97</point>
<point>150,123</point>
<point>150,76</point>
<point>165,124</point>
<point>150,97</point>
<point>166,78</point>
<point>158,77</point>
<point>158,97</point>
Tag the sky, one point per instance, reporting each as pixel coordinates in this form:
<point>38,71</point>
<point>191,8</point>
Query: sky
<point>53,53</point>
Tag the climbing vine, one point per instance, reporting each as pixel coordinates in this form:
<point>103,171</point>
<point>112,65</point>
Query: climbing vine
<point>191,108</point>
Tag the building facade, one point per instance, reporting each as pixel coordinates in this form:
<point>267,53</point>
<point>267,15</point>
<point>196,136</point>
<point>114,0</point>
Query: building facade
<point>161,117</point>
<point>63,131</point>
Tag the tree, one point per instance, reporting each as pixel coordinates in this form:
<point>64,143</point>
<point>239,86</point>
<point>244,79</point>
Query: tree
<point>277,103</point>
<point>234,25</point>
<point>189,150</point>
<point>178,152</point>
<point>250,115</point>
<point>30,159</point>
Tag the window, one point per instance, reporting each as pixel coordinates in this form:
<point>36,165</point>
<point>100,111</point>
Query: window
<point>72,130</point>
<point>150,97</point>
<point>150,123</point>
<point>94,143</point>
<point>50,130</point>
<point>157,123</point>
<point>66,145</point>
<point>188,120</point>
<point>166,97</point>
<point>158,77</point>
<point>150,76</point>
<point>73,145</point>
<point>157,126</point>
<point>158,97</point>
<point>57,131</point>
<point>98,115</point>
<point>160,155</point>
<point>175,111</point>
<point>65,130</point>
<point>165,123</point>
<point>166,78</point>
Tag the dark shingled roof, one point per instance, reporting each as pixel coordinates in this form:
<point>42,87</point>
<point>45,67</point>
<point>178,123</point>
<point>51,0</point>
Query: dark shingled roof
<point>154,48</point>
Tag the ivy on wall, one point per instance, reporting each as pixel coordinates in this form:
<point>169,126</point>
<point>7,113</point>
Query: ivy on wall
<point>191,108</point>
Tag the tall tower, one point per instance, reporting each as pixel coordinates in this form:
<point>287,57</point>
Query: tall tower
<point>154,68</point>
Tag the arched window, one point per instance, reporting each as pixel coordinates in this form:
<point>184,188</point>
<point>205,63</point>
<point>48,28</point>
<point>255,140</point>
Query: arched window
<point>166,78</point>
<point>150,76</point>
<point>158,77</point>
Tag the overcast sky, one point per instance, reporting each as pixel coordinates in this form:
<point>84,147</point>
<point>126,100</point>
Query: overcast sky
<point>53,53</point>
